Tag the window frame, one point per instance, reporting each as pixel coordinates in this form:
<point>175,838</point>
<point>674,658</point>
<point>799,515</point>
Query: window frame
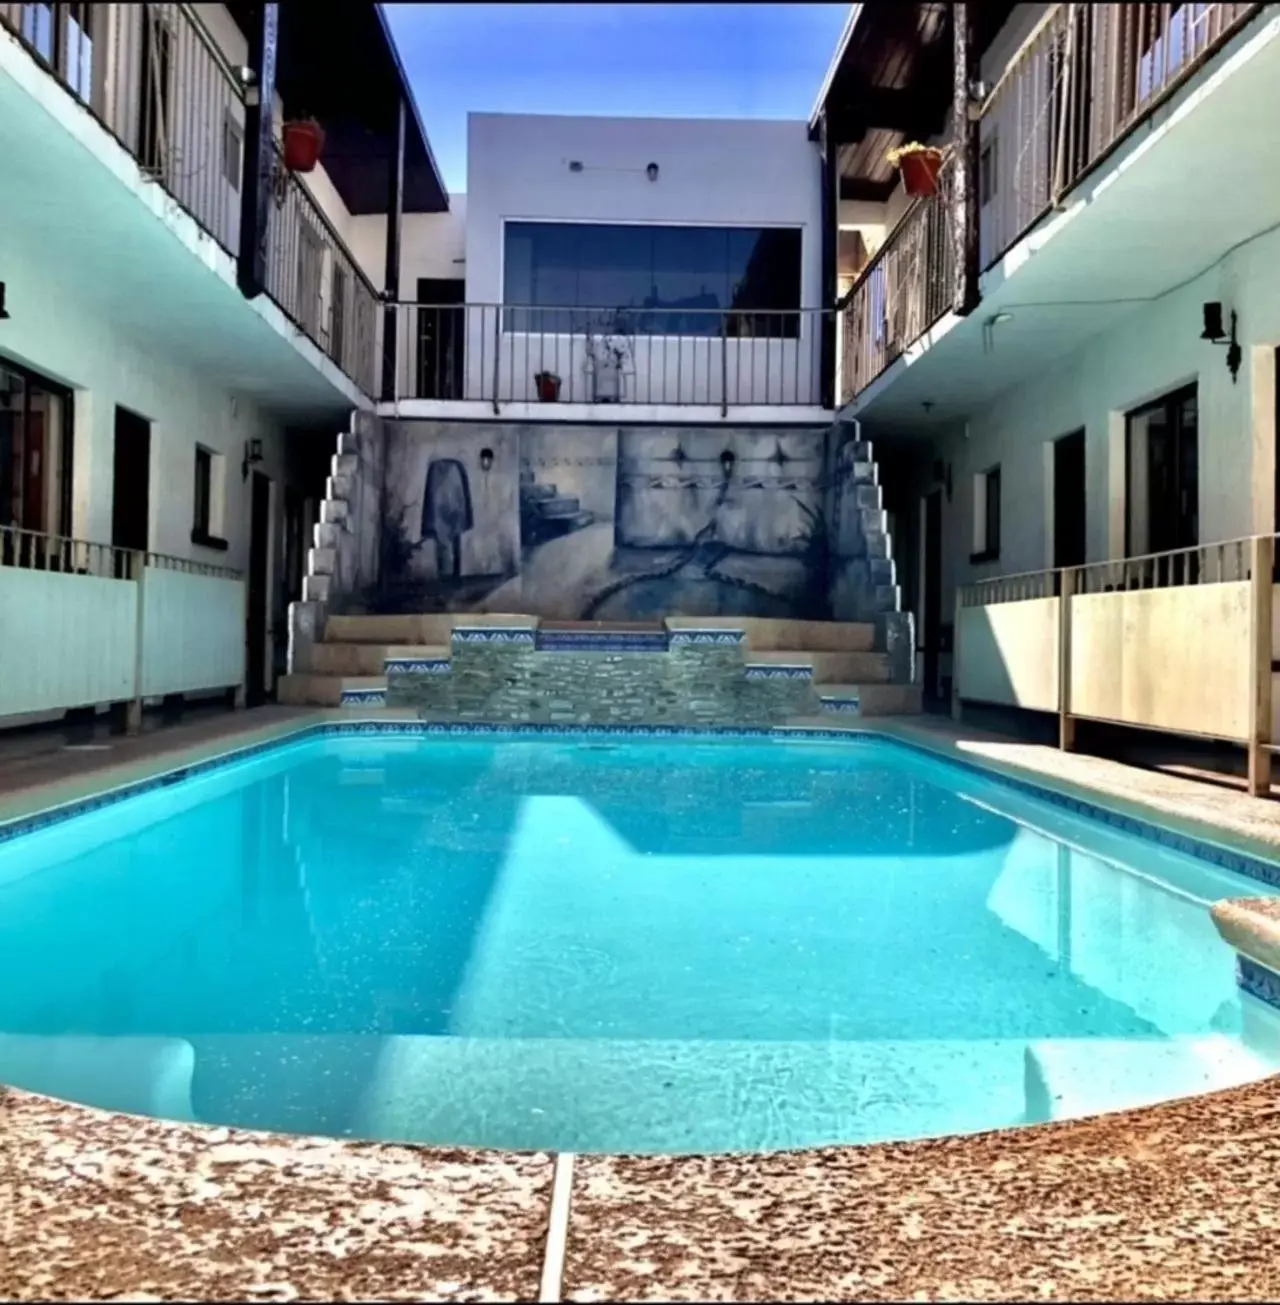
<point>203,532</point>
<point>987,546</point>
<point>66,436</point>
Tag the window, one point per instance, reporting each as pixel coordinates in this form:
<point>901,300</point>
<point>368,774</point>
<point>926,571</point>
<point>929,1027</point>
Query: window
<point>155,118</point>
<point>663,280</point>
<point>986,516</point>
<point>35,453</point>
<point>206,519</point>
<point>232,151</point>
<point>1162,474</point>
<point>988,171</point>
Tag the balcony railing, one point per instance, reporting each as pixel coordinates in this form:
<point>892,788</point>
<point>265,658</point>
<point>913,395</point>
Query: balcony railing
<point>155,78</point>
<point>1084,79</point>
<point>706,357</point>
<point>903,291</point>
<point>313,277</point>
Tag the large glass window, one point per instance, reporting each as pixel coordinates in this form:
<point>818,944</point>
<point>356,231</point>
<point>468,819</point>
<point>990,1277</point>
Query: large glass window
<point>652,280</point>
<point>35,453</point>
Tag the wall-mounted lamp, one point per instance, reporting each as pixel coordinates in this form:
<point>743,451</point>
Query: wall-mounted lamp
<point>575,165</point>
<point>727,460</point>
<point>1215,334</point>
<point>252,456</point>
<point>486,459</point>
<point>4,312</point>
<point>942,476</point>
<point>652,172</point>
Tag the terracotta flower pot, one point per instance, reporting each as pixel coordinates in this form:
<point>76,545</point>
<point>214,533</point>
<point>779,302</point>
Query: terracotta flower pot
<point>548,384</point>
<point>303,142</point>
<point>920,171</point>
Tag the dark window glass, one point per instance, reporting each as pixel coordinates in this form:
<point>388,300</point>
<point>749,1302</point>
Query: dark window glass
<point>653,280</point>
<point>993,512</point>
<point>204,483</point>
<point>35,453</point>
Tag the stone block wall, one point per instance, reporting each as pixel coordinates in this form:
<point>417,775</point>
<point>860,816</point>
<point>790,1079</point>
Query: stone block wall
<point>503,677</point>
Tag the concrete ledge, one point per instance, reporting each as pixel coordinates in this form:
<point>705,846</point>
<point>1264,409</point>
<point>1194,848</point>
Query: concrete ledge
<point>1251,925</point>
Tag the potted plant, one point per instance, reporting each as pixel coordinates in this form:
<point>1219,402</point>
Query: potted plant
<point>548,384</point>
<point>303,141</point>
<point>608,352</point>
<point>919,165</point>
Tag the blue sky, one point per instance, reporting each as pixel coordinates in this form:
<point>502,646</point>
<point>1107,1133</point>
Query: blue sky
<point>630,60</point>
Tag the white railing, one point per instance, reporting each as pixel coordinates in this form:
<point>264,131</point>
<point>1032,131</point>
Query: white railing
<point>1181,641</point>
<point>85,624</point>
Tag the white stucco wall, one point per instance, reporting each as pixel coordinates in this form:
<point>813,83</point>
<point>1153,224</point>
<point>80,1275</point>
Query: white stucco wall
<point>718,172</point>
<point>1149,353</point>
<point>431,245</point>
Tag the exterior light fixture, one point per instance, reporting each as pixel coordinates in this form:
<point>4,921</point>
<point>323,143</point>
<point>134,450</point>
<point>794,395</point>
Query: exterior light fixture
<point>652,171</point>
<point>486,459</point>
<point>575,165</point>
<point>4,312</point>
<point>252,456</point>
<point>727,459</point>
<point>1214,333</point>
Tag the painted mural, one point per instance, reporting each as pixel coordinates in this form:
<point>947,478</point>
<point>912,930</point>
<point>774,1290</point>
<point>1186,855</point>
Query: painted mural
<point>620,523</point>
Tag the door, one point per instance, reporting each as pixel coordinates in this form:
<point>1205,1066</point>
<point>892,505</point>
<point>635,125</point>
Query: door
<point>256,623</point>
<point>931,607</point>
<point>440,338</point>
<point>1162,455</point>
<point>131,484</point>
<point>1069,500</point>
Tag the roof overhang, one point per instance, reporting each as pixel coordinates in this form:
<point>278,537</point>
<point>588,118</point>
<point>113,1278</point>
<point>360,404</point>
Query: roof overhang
<point>344,70</point>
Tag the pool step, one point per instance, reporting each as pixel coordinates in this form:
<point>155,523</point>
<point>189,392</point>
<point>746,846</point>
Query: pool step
<point>828,667</point>
<point>368,658</point>
<point>333,690</point>
<point>601,640</point>
<point>875,699</point>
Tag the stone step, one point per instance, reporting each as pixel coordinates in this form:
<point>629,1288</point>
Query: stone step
<point>434,629</point>
<point>568,520</point>
<point>601,641</point>
<point>562,505</point>
<point>829,667</point>
<point>331,658</point>
<point>302,690</point>
<point>877,699</point>
<point>537,493</point>
<point>777,634</point>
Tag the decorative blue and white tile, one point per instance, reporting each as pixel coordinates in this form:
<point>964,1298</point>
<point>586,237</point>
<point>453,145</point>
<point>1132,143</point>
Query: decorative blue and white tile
<point>777,671</point>
<point>364,697</point>
<point>706,638</point>
<point>417,665</point>
<point>601,641</point>
<point>500,634</point>
<point>1258,981</point>
<point>840,706</point>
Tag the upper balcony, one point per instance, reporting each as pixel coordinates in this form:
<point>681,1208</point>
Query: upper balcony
<point>166,84</point>
<point>1077,211</point>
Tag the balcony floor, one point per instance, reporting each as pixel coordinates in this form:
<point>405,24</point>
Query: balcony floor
<point>76,209</point>
<point>1184,190</point>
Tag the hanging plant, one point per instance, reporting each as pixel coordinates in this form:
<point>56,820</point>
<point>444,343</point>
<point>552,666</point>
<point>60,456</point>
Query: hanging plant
<point>303,141</point>
<point>919,165</point>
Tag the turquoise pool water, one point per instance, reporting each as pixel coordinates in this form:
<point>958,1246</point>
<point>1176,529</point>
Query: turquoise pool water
<point>607,944</point>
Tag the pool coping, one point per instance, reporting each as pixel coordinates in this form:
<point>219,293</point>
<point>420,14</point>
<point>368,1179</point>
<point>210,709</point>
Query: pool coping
<point>976,1216</point>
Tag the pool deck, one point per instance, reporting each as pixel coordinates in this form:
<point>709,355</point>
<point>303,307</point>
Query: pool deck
<point>1178,1201</point>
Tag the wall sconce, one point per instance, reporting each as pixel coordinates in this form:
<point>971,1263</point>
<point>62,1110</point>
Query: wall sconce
<point>4,312</point>
<point>727,459</point>
<point>575,165</point>
<point>486,459</point>
<point>252,456</point>
<point>1215,334</point>
<point>652,171</point>
<point>942,476</point>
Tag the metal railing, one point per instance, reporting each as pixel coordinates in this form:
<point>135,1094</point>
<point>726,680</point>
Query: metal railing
<point>1085,78</point>
<point>903,291</point>
<point>316,281</point>
<point>32,550</point>
<point>496,353</point>
<point>156,80</point>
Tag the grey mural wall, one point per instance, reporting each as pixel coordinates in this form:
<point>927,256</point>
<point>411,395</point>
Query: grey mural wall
<point>625,522</point>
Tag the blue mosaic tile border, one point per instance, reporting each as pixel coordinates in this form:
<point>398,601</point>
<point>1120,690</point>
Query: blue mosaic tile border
<point>364,697</point>
<point>1257,980</point>
<point>840,706</point>
<point>417,665</point>
<point>604,642</point>
<point>706,638</point>
<point>1241,863</point>
<point>522,634</point>
<point>775,671</point>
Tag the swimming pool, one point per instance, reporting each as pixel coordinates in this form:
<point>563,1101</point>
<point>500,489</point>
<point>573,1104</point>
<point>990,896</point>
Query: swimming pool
<point>602,943</point>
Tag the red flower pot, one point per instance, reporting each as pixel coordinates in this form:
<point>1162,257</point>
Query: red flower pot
<point>920,172</point>
<point>548,384</point>
<point>303,142</point>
